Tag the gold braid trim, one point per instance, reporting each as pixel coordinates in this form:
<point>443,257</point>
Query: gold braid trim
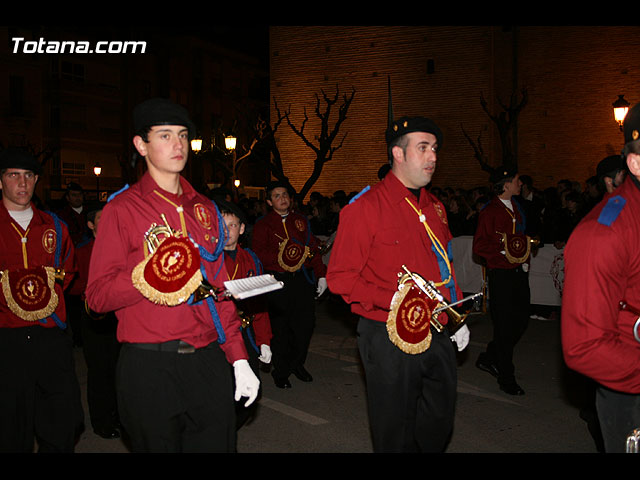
<point>163,298</point>
<point>508,254</point>
<point>286,267</point>
<point>392,319</point>
<point>35,315</point>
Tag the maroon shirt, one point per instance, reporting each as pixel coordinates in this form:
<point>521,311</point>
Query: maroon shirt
<point>493,218</point>
<point>41,242</point>
<point>377,234</point>
<point>602,268</point>
<point>119,247</point>
<point>270,230</point>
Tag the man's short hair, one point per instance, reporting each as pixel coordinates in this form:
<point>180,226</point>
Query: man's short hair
<point>230,208</point>
<point>271,186</point>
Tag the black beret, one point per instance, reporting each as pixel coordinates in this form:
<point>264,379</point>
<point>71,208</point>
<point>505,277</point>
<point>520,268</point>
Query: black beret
<point>631,125</point>
<point>501,173</point>
<point>13,157</point>
<point>161,111</point>
<point>610,166</point>
<point>406,125</point>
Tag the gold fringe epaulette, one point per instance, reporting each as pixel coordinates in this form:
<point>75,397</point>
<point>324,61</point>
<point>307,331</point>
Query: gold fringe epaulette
<point>398,314</point>
<point>164,298</point>
<point>31,315</point>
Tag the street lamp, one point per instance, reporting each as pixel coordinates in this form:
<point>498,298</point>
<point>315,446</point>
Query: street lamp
<point>620,109</point>
<point>97,170</point>
<point>196,145</point>
<point>230,142</point>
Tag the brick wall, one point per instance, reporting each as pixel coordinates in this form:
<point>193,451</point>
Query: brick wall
<point>573,74</point>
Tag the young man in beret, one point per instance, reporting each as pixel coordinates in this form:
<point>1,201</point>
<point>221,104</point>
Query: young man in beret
<point>158,240</point>
<point>39,392</point>
<point>411,384</point>
<point>601,298</point>
<point>283,241</point>
<point>498,240</point>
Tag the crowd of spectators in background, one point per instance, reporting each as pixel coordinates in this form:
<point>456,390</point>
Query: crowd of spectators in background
<point>551,213</point>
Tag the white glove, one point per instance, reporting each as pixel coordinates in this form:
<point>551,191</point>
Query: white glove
<point>461,337</point>
<point>265,354</point>
<point>322,286</point>
<point>247,384</point>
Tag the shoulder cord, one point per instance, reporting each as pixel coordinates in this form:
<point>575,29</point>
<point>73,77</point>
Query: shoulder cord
<point>210,257</point>
<point>443,256</point>
<point>57,255</point>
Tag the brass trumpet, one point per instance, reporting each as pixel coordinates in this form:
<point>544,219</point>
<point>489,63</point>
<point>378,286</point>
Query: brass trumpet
<point>430,290</point>
<point>154,237</point>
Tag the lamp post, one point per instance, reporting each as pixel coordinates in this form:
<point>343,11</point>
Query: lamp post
<point>97,170</point>
<point>620,109</point>
<point>230,144</point>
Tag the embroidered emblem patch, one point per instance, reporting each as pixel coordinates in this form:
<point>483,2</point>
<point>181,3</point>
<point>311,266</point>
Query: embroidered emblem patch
<point>49,238</point>
<point>440,213</point>
<point>203,215</point>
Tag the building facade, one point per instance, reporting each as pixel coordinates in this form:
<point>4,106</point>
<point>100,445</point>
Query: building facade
<point>572,75</point>
<point>77,106</point>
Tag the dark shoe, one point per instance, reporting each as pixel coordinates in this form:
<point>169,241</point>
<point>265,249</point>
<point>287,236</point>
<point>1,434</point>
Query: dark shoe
<point>512,389</point>
<point>483,364</point>
<point>108,433</point>
<point>302,374</point>
<point>282,382</point>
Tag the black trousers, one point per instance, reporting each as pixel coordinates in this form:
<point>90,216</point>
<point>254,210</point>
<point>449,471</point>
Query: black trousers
<point>411,398</point>
<point>173,402</point>
<point>293,319</point>
<point>39,390</point>
<point>101,348</point>
<point>619,415</point>
<point>509,306</point>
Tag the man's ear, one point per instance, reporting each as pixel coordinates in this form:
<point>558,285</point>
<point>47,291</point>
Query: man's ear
<point>140,145</point>
<point>241,228</point>
<point>633,162</point>
<point>397,153</point>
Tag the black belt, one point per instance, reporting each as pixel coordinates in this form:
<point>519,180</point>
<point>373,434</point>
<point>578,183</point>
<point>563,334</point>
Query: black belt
<point>174,346</point>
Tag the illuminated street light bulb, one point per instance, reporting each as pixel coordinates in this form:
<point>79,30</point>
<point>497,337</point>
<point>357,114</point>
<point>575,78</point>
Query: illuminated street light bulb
<point>620,109</point>
<point>230,142</point>
<point>236,182</point>
<point>196,144</point>
<point>97,169</point>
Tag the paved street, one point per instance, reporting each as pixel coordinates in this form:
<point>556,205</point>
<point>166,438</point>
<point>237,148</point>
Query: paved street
<point>329,415</point>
